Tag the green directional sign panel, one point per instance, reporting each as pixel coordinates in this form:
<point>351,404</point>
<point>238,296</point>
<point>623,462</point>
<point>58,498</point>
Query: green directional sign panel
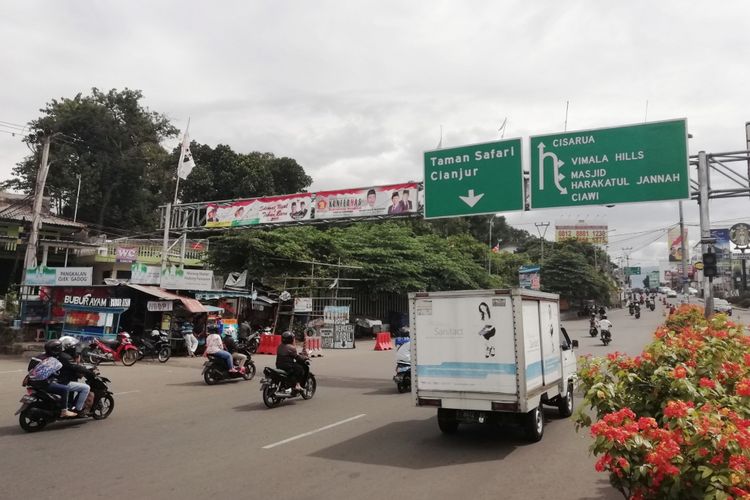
<point>472,180</point>
<point>632,271</point>
<point>634,163</point>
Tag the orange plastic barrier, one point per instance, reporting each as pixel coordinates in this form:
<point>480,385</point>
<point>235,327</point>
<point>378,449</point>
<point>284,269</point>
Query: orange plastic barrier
<point>383,342</point>
<point>268,344</point>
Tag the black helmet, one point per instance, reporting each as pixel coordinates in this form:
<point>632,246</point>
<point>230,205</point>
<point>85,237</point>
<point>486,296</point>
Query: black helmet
<point>287,337</point>
<point>604,316</point>
<point>53,347</point>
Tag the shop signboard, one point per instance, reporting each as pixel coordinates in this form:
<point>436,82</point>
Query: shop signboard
<point>142,274</point>
<point>174,278</point>
<point>303,304</point>
<point>633,163</point>
<point>126,254</point>
<point>596,234</point>
<point>159,305</point>
<point>335,315</point>
<point>90,301</point>
<point>59,276</point>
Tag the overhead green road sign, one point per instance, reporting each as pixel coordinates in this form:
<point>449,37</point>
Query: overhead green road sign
<point>631,271</point>
<point>634,163</point>
<point>472,180</point>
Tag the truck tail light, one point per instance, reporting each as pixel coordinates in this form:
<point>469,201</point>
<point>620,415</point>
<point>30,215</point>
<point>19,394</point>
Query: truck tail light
<point>429,402</point>
<point>513,407</point>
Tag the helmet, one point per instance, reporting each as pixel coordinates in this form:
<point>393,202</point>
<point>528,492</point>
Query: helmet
<point>53,347</point>
<point>404,331</point>
<point>287,337</point>
<point>604,316</point>
<point>69,344</point>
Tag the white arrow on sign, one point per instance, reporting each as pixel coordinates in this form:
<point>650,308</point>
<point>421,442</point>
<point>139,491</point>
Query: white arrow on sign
<point>471,199</point>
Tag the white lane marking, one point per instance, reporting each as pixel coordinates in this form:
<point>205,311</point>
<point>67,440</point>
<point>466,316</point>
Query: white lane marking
<point>321,429</point>
<point>11,371</point>
<point>121,393</point>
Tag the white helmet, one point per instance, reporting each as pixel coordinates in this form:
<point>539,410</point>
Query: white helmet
<point>69,344</point>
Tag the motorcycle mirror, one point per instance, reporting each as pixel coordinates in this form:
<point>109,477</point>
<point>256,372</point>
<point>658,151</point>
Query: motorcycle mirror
<point>575,344</point>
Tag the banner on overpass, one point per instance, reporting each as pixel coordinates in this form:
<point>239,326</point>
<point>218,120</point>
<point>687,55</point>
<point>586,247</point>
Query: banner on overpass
<point>394,199</point>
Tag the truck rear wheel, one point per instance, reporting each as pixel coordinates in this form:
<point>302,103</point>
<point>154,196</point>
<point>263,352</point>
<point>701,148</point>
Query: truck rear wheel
<point>447,421</point>
<point>534,424</point>
<point>565,404</point>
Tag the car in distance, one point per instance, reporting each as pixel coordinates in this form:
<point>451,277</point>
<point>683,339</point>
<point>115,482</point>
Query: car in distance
<point>671,293</point>
<point>722,306</point>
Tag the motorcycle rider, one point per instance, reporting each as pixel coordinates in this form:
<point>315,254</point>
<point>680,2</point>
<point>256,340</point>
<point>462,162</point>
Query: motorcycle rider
<point>231,347</point>
<point>290,361</point>
<point>245,330</point>
<point>605,325</point>
<point>215,346</point>
<point>52,348</point>
<point>71,372</point>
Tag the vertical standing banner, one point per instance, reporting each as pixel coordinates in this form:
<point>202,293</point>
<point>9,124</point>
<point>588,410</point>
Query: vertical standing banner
<point>674,241</point>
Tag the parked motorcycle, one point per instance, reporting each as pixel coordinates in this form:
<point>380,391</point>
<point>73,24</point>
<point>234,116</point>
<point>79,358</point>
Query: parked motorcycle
<point>606,336</point>
<point>403,368</point>
<point>277,386</point>
<point>215,370</point>
<point>157,346</point>
<point>39,407</point>
<point>119,349</point>
<point>250,344</point>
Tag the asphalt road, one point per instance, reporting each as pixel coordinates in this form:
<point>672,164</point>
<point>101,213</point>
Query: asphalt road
<point>171,436</point>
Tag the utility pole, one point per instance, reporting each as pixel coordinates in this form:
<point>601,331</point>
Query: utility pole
<point>684,254</point>
<point>545,225</point>
<point>75,214</point>
<point>489,255</point>
<point>627,251</point>
<point>36,218</point>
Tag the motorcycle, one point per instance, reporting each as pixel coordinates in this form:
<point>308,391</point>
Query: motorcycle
<point>652,305</point>
<point>403,368</point>
<point>637,312</point>
<point>39,407</point>
<point>593,331</point>
<point>251,343</point>
<point>119,349</point>
<point>606,337</point>
<point>157,346</point>
<point>215,370</point>
<point>276,386</point>
<point>631,308</point>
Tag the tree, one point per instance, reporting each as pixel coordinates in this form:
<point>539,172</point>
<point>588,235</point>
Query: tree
<point>223,174</point>
<point>568,273</point>
<point>113,142</point>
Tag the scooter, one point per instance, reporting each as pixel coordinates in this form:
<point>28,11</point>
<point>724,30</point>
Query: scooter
<point>276,386</point>
<point>606,337</point>
<point>631,308</point>
<point>215,370</point>
<point>637,313</point>
<point>403,368</point>
<point>251,343</point>
<point>157,347</point>
<point>39,407</point>
<point>119,349</point>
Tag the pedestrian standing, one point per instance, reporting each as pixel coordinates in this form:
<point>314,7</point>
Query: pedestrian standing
<point>191,343</point>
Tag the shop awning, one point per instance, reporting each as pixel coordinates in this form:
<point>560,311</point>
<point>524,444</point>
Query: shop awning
<point>192,305</point>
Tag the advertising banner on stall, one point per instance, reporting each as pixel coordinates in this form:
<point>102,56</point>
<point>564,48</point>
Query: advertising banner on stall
<point>126,254</point>
<point>529,277</point>
<point>267,210</point>
<point>60,276</point>
<point>174,278</point>
<point>674,241</point>
<point>395,199</point>
<point>587,233</point>
<point>142,274</point>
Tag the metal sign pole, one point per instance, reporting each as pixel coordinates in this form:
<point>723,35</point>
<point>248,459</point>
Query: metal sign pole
<point>705,223</point>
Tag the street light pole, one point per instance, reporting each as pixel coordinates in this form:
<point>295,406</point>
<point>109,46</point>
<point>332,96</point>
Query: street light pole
<point>545,225</point>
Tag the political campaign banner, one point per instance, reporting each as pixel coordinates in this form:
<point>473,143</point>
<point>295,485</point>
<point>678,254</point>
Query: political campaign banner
<point>395,199</point>
<point>266,210</point>
<point>674,242</point>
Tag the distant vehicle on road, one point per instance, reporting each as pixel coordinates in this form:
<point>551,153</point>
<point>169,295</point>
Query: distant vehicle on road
<point>692,291</point>
<point>722,306</point>
<point>663,289</point>
<point>671,293</point>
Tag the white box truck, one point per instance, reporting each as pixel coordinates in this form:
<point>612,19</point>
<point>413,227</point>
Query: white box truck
<point>491,356</point>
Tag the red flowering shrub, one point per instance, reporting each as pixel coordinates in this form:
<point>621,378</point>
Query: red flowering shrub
<point>674,422</point>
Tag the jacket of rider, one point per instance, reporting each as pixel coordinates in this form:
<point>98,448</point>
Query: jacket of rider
<point>70,370</point>
<point>286,355</point>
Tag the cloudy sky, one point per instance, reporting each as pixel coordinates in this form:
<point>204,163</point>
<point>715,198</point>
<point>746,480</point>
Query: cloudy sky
<point>357,90</point>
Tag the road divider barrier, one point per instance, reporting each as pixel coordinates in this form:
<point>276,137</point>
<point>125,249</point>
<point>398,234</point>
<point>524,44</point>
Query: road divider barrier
<point>268,344</point>
<point>313,347</point>
<point>383,342</point>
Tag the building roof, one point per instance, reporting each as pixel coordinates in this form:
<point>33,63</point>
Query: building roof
<point>19,208</point>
